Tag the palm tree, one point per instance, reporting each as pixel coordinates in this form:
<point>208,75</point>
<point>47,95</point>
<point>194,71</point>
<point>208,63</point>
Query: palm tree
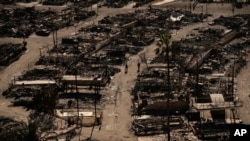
<point>164,46</point>
<point>18,131</point>
<point>31,135</point>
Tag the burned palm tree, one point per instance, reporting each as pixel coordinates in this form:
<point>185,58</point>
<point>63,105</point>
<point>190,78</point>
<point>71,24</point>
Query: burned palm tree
<point>164,49</point>
<point>31,135</point>
<point>12,130</point>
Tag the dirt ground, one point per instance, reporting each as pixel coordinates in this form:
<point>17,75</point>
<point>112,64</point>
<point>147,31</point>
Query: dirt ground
<point>117,118</point>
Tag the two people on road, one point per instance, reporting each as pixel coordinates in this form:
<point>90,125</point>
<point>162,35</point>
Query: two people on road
<point>138,67</point>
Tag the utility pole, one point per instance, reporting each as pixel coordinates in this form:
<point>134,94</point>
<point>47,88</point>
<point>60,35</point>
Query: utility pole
<point>53,31</point>
<point>233,80</point>
<point>168,92</point>
<point>97,90</point>
<point>56,36</point>
<point>233,110</point>
<point>77,95</point>
<point>197,79</point>
<point>77,103</point>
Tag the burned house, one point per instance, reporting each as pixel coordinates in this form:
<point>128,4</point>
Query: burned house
<point>10,53</point>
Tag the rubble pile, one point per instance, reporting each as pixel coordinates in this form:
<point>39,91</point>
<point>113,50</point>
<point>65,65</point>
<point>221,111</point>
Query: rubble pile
<point>87,3</point>
<point>59,61</point>
<point>230,22</point>
<point>40,74</point>
<point>28,88</point>
<point>17,130</point>
<point>212,80</point>
<point>211,131</point>
<point>10,127</point>
<point>150,100</point>
<point>120,4</point>
<point>92,70</point>
<point>21,92</point>
<point>139,3</point>
<point>31,96</point>
<point>10,52</point>
<point>154,125</point>
<point>16,1</point>
<point>81,14</point>
<point>134,38</point>
<point>57,2</point>
<point>23,22</point>
<point>202,70</point>
<point>198,42</point>
<point>116,4</point>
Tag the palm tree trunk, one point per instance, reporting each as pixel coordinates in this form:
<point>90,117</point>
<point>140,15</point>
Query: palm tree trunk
<point>165,39</point>
<point>168,91</point>
<point>77,98</point>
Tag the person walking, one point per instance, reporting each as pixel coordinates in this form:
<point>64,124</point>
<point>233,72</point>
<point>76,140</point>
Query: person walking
<point>138,67</point>
<point>126,68</point>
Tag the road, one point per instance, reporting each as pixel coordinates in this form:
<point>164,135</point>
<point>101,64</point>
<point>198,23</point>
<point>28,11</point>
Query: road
<point>243,92</point>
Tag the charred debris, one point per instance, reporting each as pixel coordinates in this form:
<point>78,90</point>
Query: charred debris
<point>10,52</point>
<point>68,80</point>
<point>119,4</point>
<point>22,22</point>
<point>202,95</point>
